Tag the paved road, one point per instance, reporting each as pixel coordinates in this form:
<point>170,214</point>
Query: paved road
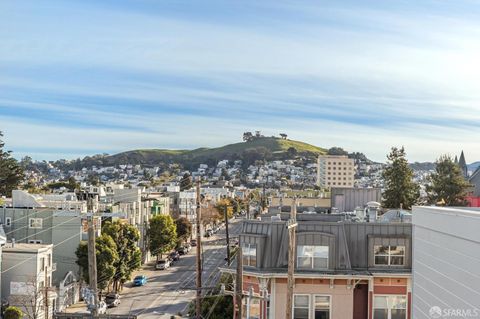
<point>168,292</point>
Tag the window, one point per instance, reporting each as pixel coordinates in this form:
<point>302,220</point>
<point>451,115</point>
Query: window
<point>35,223</point>
<point>42,263</point>
<point>8,221</point>
<point>249,252</point>
<point>312,257</point>
<point>389,255</point>
<point>34,241</point>
<point>301,306</point>
<point>321,307</point>
<point>390,307</point>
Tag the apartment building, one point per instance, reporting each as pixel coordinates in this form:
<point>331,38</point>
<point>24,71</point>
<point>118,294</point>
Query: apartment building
<point>335,171</point>
<point>27,271</point>
<point>343,269</point>
<point>446,262</point>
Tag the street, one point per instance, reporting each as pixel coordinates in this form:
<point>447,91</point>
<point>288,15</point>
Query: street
<point>168,292</point>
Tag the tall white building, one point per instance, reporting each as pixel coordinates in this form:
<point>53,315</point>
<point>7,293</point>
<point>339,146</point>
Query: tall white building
<point>335,171</point>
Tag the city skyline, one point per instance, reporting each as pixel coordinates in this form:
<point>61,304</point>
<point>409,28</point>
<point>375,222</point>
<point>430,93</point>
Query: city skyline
<point>84,78</point>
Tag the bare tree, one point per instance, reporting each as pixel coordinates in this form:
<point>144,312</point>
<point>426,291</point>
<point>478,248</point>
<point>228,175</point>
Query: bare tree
<point>30,297</point>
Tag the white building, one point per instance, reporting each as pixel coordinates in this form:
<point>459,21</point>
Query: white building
<point>446,262</point>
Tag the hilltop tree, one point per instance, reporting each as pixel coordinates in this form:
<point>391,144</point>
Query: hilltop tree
<point>106,255</point>
<point>447,184</point>
<point>400,189</point>
<point>162,234</point>
<point>125,237</point>
<point>247,136</point>
<point>186,182</point>
<point>11,173</point>
<point>283,136</point>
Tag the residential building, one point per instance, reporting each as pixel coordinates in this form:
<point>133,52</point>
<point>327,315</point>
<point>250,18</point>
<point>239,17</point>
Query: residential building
<point>446,251</point>
<point>27,271</point>
<point>335,171</point>
<point>344,270</point>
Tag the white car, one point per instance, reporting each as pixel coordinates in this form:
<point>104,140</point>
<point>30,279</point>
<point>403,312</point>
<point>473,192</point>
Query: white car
<point>162,264</point>
<point>102,308</point>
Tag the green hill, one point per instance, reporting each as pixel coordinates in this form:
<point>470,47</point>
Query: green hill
<point>264,148</point>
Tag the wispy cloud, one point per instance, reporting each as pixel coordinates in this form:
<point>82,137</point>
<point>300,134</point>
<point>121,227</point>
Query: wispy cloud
<point>134,74</point>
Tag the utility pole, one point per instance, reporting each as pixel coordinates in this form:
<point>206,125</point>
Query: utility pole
<point>291,225</point>
<point>47,286</point>
<point>237,298</point>
<point>226,232</point>
<point>264,200</point>
<point>92,258</point>
<point>198,306</point>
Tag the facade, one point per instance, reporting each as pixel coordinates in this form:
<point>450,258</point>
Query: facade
<point>335,171</point>
<point>349,199</point>
<point>446,262</point>
<point>27,271</point>
<point>343,269</point>
<point>64,229</point>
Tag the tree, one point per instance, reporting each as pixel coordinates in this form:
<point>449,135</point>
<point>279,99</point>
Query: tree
<point>400,189</point>
<point>283,136</point>
<point>32,301</point>
<point>337,151</point>
<point>186,182</point>
<point>292,152</point>
<point>447,184</point>
<point>162,234</point>
<point>125,237</point>
<point>11,173</point>
<point>247,136</point>
<point>219,307</point>
<point>13,313</point>
<point>184,228</point>
<point>106,255</point>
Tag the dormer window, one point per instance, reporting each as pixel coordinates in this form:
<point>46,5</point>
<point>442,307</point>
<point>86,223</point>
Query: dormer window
<point>312,257</point>
<point>249,254</point>
<point>389,255</point>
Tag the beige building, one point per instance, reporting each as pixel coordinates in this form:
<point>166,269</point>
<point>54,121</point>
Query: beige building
<point>335,171</point>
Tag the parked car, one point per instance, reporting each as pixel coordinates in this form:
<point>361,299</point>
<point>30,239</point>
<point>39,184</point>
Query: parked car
<point>188,247</point>
<point>233,243</point>
<point>193,242</point>
<point>207,234</point>
<point>174,256</point>
<point>163,264</point>
<point>182,250</point>
<point>112,300</point>
<point>140,280</point>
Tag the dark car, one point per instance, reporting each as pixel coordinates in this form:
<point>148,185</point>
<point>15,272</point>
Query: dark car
<point>193,242</point>
<point>181,251</point>
<point>174,256</point>
<point>140,280</point>
<point>112,300</point>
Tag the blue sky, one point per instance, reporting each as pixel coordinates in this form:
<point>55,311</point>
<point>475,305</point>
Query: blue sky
<point>85,77</point>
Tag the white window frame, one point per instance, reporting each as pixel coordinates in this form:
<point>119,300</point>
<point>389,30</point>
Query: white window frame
<point>34,241</point>
<point>389,313</point>
<point>249,247</point>
<point>8,221</point>
<point>389,255</point>
<point>309,304</point>
<point>40,220</point>
<point>312,258</point>
<point>329,304</point>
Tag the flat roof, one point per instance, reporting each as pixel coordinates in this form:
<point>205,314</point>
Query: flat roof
<point>26,248</point>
